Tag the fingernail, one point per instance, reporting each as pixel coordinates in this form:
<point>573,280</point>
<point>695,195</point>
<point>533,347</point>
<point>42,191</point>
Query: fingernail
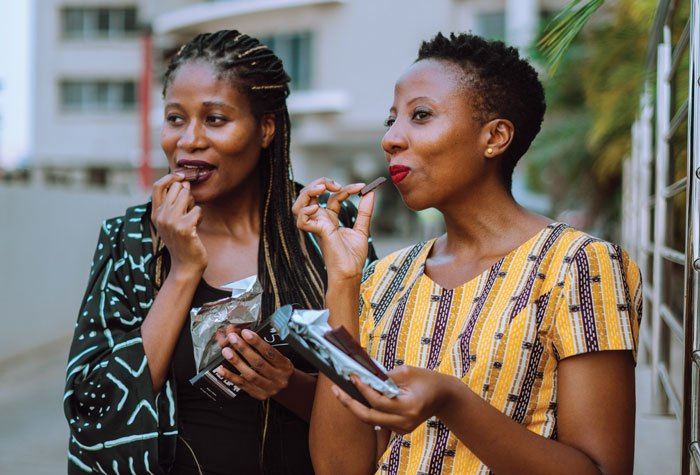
<point>220,371</point>
<point>247,334</point>
<point>335,391</point>
<point>232,338</point>
<point>227,352</point>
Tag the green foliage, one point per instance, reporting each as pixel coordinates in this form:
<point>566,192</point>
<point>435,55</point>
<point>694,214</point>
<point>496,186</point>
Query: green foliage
<point>564,29</point>
<point>592,102</point>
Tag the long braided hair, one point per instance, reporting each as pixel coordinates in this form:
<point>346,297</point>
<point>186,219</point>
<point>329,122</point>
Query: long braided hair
<point>284,266</point>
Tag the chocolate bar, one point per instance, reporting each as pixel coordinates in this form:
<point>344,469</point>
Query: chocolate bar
<point>191,174</point>
<point>342,339</point>
<point>376,183</point>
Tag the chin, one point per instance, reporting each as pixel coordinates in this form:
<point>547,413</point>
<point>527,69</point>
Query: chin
<point>415,203</point>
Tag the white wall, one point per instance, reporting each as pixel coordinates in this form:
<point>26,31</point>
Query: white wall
<point>47,239</point>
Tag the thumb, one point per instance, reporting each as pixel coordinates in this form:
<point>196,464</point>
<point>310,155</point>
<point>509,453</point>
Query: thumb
<point>364,213</point>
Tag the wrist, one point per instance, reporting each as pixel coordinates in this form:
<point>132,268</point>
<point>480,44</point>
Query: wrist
<point>451,395</point>
<point>185,274</point>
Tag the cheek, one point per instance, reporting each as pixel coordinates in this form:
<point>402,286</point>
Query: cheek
<point>239,142</point>
<point>168,140</point>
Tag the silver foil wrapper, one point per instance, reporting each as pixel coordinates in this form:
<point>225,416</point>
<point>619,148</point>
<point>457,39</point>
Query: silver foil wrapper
<point>234,313</point>
<point>311,325</point>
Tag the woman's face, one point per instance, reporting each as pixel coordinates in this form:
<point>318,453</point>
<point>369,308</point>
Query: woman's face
<point>434,147</point>
<point>209,125</point>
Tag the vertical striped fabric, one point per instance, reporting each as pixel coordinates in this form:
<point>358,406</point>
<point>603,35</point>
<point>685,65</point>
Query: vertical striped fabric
<point>560,294</point>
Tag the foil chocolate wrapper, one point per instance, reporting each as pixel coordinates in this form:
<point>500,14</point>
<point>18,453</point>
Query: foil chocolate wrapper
<point>307,331</point>
<point>241,310</point>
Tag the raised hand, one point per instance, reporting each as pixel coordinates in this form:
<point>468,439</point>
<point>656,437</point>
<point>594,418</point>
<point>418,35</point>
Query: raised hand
<point>176,216</point>
<point>344,249</point>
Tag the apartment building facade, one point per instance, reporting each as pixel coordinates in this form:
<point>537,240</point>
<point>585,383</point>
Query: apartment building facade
<point>343,56</point>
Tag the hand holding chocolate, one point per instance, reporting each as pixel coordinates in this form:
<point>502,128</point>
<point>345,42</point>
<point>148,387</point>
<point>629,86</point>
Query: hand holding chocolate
<point>334,352</point>
<point>241,310</point>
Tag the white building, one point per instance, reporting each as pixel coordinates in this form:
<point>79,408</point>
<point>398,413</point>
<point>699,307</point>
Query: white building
<point>343,56</point>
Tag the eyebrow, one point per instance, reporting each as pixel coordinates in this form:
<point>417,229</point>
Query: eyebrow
<point>218,104</point>
<point>205,104</point>
<point>415,99</point>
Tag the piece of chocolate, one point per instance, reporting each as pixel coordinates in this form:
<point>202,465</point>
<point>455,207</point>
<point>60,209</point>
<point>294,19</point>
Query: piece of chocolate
<point>378,182</point>
<point>191,174</point>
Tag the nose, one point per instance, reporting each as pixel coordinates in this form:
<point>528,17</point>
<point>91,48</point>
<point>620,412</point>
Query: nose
<point>193,136</point>
<point>394,140</point>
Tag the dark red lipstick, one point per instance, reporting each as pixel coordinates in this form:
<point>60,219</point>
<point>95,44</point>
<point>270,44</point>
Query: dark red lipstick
<point>398,173</point>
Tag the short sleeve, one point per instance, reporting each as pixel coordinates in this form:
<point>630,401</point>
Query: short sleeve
<point>600,307</point>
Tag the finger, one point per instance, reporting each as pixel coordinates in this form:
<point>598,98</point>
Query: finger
<point>336,200</point>
<point>306,219</point>
<point>267,351</point>
<point>231,376</point>
<point>161,186</point>
<point>368,415</point>
<point>364,213</point>
<point>256,368</point>
<point>308,194</point>
<point>182,199</point>
<point>171,194</point>
<point>192,218</point>
<point>376,399</point>
<point>249,375</point>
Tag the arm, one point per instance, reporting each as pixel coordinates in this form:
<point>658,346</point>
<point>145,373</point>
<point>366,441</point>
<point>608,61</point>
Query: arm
<point>109,395</point>
<point>595,417</point>
<point>175,217</point>
<point>354,449</point>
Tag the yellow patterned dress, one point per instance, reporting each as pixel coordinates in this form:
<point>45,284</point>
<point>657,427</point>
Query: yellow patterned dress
<point>559,294</point>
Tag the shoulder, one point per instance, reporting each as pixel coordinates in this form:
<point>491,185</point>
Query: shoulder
<point>564,247</point>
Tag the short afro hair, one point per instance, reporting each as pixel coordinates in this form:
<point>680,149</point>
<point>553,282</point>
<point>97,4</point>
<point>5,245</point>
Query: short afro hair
<point>500,84</point>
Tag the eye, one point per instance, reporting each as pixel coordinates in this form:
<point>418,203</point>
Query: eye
<point>421,114</point>
<point>174,119</point>
<point>216,120</point>
<point>389,121</point>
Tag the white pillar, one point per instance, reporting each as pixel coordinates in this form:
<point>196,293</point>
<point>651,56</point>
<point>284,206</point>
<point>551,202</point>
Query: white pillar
<point>522,18</point>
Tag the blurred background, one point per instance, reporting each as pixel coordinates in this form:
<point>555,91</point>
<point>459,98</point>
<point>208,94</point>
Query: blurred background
<point>81,110</point>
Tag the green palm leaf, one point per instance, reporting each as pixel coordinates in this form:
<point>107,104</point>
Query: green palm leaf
<point>563,29</point>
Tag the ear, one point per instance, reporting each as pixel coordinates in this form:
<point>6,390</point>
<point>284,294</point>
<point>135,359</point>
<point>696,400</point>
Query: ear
<point>497,136</point>
<point>267,129</point>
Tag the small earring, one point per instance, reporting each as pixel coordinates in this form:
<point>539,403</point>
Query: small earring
<point>489,150</point>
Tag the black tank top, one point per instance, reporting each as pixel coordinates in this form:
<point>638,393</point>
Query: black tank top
<point>227,438</point>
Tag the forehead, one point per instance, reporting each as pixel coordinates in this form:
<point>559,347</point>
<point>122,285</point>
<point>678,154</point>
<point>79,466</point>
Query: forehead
<point>439,80</point>
<point>199,79</point>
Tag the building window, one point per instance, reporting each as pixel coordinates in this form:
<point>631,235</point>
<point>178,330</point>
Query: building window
<point>97,96</point>
<point>98,23</point>
<point>294,49</point>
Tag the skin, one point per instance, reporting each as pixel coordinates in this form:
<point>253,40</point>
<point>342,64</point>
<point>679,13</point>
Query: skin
<point>432,132</point>
<point>206,225</point>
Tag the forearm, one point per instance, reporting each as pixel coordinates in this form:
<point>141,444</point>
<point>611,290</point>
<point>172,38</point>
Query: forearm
<point>501,443</point>
<point>162,326</point>
<point>298,396</point>
<point>339,442</point>
<point>342,302</point>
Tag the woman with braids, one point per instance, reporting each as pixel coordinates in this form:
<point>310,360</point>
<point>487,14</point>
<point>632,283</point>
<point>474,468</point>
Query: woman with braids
<point>128,398</point>
<point>513,338</point>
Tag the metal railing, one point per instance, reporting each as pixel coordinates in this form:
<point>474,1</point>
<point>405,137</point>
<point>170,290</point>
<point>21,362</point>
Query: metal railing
<point>661,233</point>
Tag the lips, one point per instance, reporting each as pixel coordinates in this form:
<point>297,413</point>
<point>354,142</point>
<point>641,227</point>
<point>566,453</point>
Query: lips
<point>398,173</point>
<point>195,171</point>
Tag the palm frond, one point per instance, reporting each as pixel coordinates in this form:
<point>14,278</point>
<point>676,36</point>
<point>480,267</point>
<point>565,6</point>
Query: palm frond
<point>563,29</point>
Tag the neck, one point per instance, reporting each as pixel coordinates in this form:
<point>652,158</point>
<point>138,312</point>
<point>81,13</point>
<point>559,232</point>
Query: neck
<point>236,213</point>
<point>487,222</point>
